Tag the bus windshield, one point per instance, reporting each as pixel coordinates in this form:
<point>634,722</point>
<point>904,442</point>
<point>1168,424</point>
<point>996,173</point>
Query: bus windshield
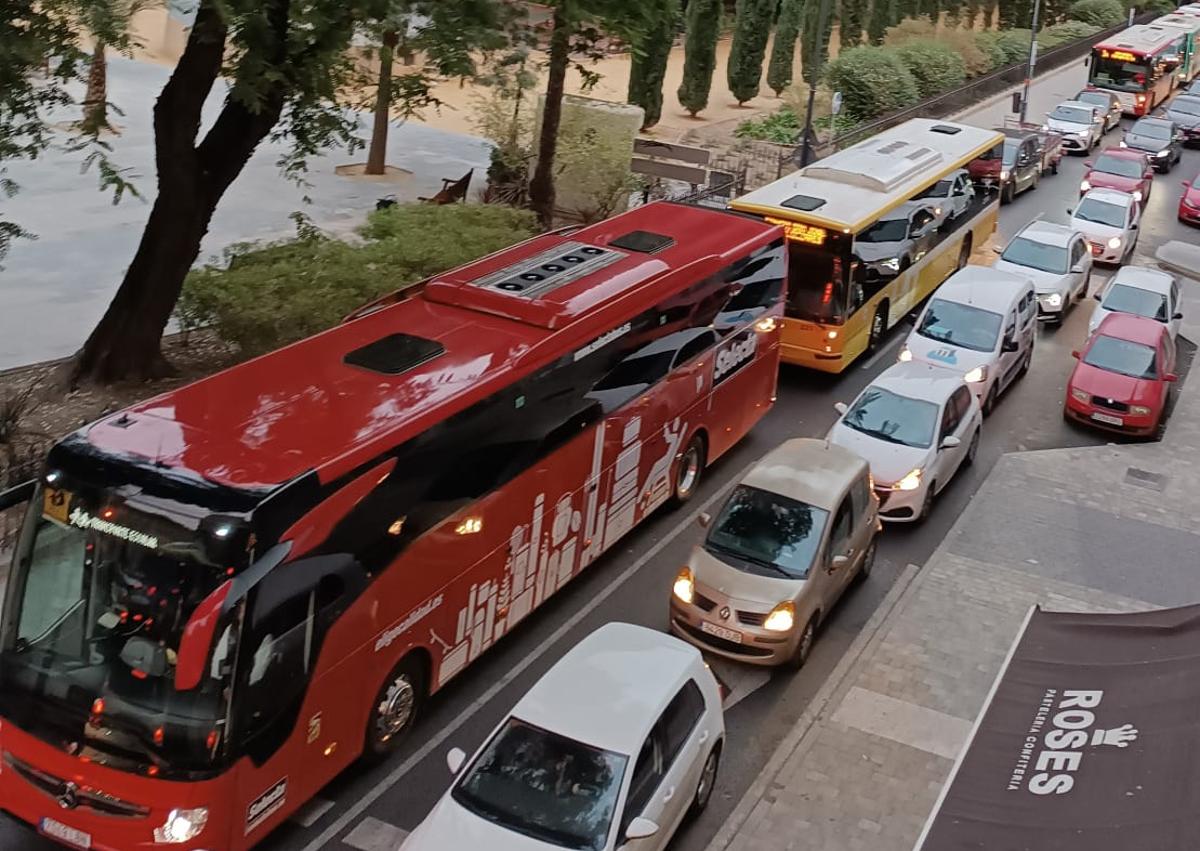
<point>817,281</point>
<point>98,605</point>
<point>1120,74</point>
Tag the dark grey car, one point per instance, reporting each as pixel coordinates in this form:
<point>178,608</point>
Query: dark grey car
<point>1160,138</point>
<point>1185,112</point>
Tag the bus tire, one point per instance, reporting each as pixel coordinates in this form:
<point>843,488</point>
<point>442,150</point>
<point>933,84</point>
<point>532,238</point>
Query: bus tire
<point>878,327</point>
<point>395,709</point>
<point>689,469</point>
<point>964,252</point>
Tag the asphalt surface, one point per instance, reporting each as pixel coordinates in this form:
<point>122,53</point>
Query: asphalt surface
<point>632,583</point>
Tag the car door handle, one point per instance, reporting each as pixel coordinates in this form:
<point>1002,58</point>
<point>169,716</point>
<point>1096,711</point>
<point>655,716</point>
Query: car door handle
<point>670,794</point>
<point>703,736</point>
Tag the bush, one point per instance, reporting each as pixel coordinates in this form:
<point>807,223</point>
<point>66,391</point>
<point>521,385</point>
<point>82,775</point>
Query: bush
<point>782,127</point>
<point>989,45</point>
<point>1011,46</point>
<point>935,66</point>
<point>962,42</point>
<point>1158,7</point>
<point>1102,14</point>
<point>275,294</point>
<point>873,81</point>
<point>1065,33</point>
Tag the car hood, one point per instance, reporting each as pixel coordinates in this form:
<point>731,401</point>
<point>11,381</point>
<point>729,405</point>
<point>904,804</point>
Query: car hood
<point>1104,180</point>
<point>1113,385</point>
<point>452,826</point>
<point>1095,231</point>
<point>1060,126</point>
<point>1145,143</point>
<point>946,355</point>
<point>752,590</point>
<point>872,252</point>
<point>1192,197</point>
<point>1043,282</point>
<point>889,461</point>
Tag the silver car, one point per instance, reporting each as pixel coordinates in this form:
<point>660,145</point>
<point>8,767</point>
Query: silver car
<point>786,544</point>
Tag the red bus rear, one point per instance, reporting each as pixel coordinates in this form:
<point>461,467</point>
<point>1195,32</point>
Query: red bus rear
<point>225,595</point>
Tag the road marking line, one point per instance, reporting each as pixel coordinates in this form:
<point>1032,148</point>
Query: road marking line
<point>874,359</point>
<point>375,835</point>
<point>551,642</point>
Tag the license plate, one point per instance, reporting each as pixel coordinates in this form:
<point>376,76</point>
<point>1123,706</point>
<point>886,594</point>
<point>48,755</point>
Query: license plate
<point>1105,418</point>
<point>71,836</point>
<point>721,632</point>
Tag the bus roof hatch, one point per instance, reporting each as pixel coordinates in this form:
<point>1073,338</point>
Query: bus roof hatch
<point>880,165</point>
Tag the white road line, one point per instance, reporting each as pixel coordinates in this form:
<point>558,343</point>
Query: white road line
<point>553,641</point>
<point>886,350</point>
<point>375,835</point>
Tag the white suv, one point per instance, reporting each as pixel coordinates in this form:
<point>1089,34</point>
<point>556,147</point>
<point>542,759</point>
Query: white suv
<point>1058,261</point>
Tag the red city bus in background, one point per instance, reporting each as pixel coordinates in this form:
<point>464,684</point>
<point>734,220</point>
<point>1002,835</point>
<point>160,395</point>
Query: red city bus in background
<point>1138,65</point>
<point>225,595</point>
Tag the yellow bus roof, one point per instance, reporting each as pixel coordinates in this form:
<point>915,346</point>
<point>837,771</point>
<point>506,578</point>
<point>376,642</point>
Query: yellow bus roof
<point>854,187</point>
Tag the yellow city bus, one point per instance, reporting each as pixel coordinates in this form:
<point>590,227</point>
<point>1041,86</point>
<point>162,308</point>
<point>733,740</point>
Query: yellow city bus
<point>874,229</point>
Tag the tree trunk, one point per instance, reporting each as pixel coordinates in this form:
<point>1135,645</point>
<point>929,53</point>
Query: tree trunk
<point>95,99</point>
<point>377,154</point>
<point>541,188</point>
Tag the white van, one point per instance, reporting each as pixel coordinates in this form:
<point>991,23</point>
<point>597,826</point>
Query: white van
<point>981,323</point>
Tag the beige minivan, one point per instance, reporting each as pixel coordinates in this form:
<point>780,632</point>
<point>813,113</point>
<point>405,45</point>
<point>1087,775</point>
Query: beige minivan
<point>786,544</point>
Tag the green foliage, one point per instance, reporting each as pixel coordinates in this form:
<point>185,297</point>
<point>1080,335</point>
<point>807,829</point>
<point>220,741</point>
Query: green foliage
<point>884,13</point>
<point>1100,13</point>
<point>852,18</point>
<point>703,26</point>
<point>924,31</point>
<point>272,295</point>
<point>1064,33</point>
<point>814,39</point>
<point>781,127</point>
<point>873,81</point>
<point>988,44</point>
<point>1158,7</point>
<point>752,28</point>
<point>1005,47</point>
<point>651,50</point>
<point>935,66</point>
<point>783,49</point>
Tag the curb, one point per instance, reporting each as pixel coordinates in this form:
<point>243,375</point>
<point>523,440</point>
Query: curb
<point>795,740</point>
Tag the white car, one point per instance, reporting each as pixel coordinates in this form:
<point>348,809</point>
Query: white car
<point>1081,125</point>
<point>1141,291</point>
<point>981,324</point>
<point>611,748</point>
<point>1109,219</point>
<point>1058,261</point>
<point>953,195</point>
<point>916,425</point>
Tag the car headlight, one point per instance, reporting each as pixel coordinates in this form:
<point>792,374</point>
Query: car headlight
<point>685,585</point>
<point>1004,175</point>
<point>1139,410</point>
<point>905,355</point>
<point>1137,195</point>
<point>1054,299</point>
<point>1124,144</point>
<point>1163,152</point>
<point>1080,396</point>
<point>1114,242</point>
<point>974,376</point>
<point>910,482</point>
<point>892,263</point>
<point>782,617</point>
<point>182,826</point>
<point>1084,186</point>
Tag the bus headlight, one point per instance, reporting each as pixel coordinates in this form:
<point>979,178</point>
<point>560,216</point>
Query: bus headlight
<point>685,586</point>
<point>782,617</point>
<point>182,826</point>
<point>910,482</point>
<point>1114,242</point>
<point>976,375</point>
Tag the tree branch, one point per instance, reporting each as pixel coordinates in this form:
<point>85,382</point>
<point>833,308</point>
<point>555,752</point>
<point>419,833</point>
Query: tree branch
<point>178,110</point>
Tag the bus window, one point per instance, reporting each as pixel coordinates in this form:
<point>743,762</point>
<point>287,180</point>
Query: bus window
<point>817,280</point>
<point>1121,74</point>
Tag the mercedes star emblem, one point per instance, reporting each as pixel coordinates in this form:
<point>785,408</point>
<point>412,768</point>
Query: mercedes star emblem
<point>67,799</point>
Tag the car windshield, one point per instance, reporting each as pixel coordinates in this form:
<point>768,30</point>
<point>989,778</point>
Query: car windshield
<point>939,190</point>
<point>1037,255</point>
<point>1186,105</point>
<point>1072,114</point>
<point>960,325</point>
<point>885,230</point>
<point>1122,356</point>
<point>1126,299</point>
<point>770,531</point>
<point>545,786</point>
<point>1101,212</point>
<point>1152,130</point>
<point>98,607</point>
<point>893,418</point>
<point>1120,166</point>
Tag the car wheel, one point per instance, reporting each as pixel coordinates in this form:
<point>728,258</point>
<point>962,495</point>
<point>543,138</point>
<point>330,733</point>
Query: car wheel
<point>708,779</point>
<point>688,471</point>
<point>878,327</point>
<point>395,709</point>
<point>989,401</point>
<point>927,503</point>
<point>1037,176</point>
<point>964,253</point>
<point>868,562</point>
<point>1054,166</point>
<point>972,450</point>
<point>804,645</point>
<point>1025,363</point>
<point>1087,285</point>
<point>1008,193</point>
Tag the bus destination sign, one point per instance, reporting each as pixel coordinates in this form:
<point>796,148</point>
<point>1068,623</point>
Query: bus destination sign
<point>1120,55</point>
<point>800,232</point>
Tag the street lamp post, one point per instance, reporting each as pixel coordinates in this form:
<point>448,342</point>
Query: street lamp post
<point>814,78</point>
<point>1037,5</point>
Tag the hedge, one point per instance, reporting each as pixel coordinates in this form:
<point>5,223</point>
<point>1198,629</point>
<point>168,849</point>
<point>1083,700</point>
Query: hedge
<point>873,81</point>
<point>1100,13</point>
<point>936,67</point>
<point>1064,33</point>
<point>275,294</point>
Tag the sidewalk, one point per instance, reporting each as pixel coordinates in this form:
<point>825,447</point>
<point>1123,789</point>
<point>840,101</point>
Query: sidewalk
<point>1109,528</point>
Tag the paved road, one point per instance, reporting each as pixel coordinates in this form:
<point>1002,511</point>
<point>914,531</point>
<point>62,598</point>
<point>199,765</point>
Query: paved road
<point>372,809</point>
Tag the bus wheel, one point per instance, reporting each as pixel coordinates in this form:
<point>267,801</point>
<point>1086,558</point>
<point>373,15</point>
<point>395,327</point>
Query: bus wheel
<point>395,709</point>
<point>878,327</point>
<point>964,253</point>
<point>688,471</point>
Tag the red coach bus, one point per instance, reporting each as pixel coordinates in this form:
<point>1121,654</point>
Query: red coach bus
<point>1138,65</point>
<point>223,596</point>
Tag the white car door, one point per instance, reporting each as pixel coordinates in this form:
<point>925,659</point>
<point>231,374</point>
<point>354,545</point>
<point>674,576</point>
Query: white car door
<point>947,458</point>
<point>687,747</point>
<point>1081,267</point>
<point>1008,362</point>
<point>1135,219</point>
<point>660,790</point>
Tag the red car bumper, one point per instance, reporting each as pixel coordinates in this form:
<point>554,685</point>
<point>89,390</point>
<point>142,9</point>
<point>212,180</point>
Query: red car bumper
<point>1110,419</point>
<point>1189,214</point>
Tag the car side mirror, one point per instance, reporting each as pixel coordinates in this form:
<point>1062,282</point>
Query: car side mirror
<point>641,828</point>
<point>1077,269</point>
<point>997,249</point>
<point>950,442</point>
<point>1170,376</point>
<point>1009,345</point>
<point>704,519</point>
<point>841,407</point>
<point>1187,184</point>
<point>1070,211</point>
<point>1177,315</point>
<point>1098,296</point>
<point>455,759</point>
<point>1087,163</point>
<point>838,562</point>
<point>1133,226</point>
<point>1075,354</point>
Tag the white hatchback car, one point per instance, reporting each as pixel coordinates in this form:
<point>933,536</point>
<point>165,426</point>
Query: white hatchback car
<point>1058,261</point>
<point>980,323</point>
<point>916,425</point>
<point>611,748</point>
<point>1109,219</point>
<point>1143,292</point>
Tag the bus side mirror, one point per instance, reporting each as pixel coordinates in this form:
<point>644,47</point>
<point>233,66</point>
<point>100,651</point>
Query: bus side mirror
<point>455,759</point>
<point>17,494</point>
<point>198,638</point>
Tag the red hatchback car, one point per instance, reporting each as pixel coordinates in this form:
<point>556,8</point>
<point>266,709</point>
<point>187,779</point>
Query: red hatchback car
<point>1189,204</point>
<point>1120,168</point>
<point>1123,379</point>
